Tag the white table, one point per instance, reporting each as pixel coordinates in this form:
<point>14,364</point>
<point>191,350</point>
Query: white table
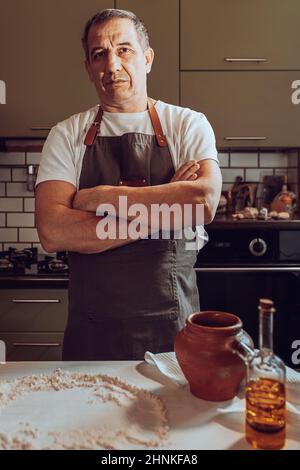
<point>194,423</point>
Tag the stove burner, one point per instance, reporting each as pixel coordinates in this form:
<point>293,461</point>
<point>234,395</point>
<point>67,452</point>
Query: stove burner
<point>25,262</point>
<point>54,265</point>
<point>16,261</point>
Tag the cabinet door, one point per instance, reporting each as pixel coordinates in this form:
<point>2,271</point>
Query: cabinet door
<point>33,346</point>
<point>42,63</point>
<point>215,30</point>
<point>30,310</point>
<point>161,18</point>
<point>246,108</point>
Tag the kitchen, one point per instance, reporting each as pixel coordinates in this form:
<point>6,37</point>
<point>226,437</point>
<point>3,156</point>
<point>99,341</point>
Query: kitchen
<point>236,63</point>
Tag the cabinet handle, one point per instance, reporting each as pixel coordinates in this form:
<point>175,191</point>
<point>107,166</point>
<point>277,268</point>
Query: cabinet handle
<point>245,138</point>
<point>51,345</point>
<point>36,301</point>
<point>243,269</point>
<point>233,59</point>
<point>40,128</point>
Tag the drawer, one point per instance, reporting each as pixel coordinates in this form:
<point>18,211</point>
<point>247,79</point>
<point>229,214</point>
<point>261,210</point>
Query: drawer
<point>33,309</point>
<point>33,346</point>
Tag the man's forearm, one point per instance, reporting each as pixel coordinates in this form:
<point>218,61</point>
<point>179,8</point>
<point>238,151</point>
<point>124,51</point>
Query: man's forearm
<point>179,193</point>
<point>75,230</point>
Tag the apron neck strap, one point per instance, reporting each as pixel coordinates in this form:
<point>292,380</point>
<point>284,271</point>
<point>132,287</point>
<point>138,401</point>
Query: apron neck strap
<point>159,135</point>
<point>94,129</point>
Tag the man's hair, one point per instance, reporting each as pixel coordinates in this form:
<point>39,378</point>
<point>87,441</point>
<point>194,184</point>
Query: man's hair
<point>108,14</point>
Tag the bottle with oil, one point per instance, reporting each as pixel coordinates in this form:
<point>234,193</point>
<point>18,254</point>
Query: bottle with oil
<point>265,388</point>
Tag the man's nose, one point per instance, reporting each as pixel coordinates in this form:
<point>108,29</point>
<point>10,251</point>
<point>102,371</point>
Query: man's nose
<point>113,63</point>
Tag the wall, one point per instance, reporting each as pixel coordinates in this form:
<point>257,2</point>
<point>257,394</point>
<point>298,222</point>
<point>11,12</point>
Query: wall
<point>17,219</point>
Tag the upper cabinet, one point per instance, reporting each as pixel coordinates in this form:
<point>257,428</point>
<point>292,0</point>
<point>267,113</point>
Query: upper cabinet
<point>240,34</point>
<point>161,18</point>
<point>42,63</point>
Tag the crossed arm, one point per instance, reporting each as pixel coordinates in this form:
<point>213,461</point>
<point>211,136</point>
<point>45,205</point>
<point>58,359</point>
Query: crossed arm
<point>66,219</point>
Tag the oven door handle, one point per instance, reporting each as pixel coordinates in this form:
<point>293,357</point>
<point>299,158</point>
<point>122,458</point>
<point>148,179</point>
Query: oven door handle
<point>248,269</point>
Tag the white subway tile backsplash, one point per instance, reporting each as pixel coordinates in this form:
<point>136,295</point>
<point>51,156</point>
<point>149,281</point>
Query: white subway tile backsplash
<point>18,189</point>
<point>243,159</point>
<point>12,158</point>
<point>28,235</point>
<point>17,204</point>
<point>18,246</point>
<point>20,220</point>
<point>33,158</point>
<point>273,160</point>
<point>11,204</point>
<point>223,159</point>
<point>29,204</point>
<point>19,174</point>
<point>5,174</point>
<point>8,234</point>
<point>229,175</point>
<point>257,175</point>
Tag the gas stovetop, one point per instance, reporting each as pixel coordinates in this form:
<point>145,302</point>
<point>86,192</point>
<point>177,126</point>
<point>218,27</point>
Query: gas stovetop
<point>27,262</point>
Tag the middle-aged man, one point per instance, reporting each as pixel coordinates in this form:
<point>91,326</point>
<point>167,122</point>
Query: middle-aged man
<point>126,296</point>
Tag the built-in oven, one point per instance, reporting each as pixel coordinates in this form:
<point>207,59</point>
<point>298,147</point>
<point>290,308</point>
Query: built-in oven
<point>239,266</point>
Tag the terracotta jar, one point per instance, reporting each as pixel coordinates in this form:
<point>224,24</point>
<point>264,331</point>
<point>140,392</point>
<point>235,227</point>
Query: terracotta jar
<point>208,350</point>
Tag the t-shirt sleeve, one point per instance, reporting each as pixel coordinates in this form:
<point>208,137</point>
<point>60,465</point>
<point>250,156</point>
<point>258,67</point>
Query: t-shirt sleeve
<point>198,139</point>
<point>58,159</point>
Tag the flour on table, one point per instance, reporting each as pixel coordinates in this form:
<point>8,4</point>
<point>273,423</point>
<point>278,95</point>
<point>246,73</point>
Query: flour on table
<point>133,417</point>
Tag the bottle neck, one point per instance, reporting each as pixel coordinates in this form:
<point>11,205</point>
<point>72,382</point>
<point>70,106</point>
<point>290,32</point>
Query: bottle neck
<point>266,330</point>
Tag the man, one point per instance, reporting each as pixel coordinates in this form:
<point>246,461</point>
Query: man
<point>126,296</point>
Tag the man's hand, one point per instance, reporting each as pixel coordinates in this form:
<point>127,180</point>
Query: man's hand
<point>186,172</point>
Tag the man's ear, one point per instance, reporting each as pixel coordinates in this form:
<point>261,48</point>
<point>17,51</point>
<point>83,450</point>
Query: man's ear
<point>149,56</point>
<point>88,69</point>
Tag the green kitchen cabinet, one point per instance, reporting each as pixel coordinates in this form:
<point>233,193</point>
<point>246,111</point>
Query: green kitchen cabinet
<point>33,346</point>
<point>32,323</point>
<point>246,109</point>
<point>33,309</point>
<point>42,64</point>
<point>240,34</point>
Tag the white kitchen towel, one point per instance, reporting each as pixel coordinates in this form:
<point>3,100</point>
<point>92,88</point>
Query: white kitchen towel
<point>168,365</point>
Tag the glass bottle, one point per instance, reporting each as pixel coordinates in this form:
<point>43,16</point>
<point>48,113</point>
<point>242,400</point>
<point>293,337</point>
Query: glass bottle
<point>285,200</point>
<point>265,388</point>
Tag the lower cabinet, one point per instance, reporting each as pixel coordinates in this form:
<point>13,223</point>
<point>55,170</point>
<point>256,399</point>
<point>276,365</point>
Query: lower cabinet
<point>33,346</point>
<point>32,323</point>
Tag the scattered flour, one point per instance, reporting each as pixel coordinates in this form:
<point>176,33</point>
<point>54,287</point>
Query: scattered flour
<point>147,424</point>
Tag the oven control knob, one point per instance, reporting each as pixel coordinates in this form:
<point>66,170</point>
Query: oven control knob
<point>257,247</point>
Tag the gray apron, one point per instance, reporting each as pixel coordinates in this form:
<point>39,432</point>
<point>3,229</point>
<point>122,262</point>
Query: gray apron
<point>134,298</point>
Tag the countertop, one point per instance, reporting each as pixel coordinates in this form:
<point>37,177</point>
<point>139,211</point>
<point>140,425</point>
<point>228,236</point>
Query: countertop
<point>194,423</point>
<point>223,222</point>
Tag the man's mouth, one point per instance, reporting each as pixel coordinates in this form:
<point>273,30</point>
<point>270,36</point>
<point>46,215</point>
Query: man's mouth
<point>115,82</point>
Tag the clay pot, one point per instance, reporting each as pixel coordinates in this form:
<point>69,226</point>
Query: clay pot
<point>205,352</point>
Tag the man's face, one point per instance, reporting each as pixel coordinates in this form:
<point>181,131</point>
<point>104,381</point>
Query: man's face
<point>117,64</point>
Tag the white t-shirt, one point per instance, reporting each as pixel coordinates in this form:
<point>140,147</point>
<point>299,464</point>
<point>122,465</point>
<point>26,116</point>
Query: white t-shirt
<point>189,136</point>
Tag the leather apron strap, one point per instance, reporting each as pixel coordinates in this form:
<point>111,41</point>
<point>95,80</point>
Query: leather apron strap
<point>159,135</point>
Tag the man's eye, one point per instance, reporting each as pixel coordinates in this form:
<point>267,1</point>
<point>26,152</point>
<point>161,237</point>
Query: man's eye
<point>98,55</point>
<point>124,50</point>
